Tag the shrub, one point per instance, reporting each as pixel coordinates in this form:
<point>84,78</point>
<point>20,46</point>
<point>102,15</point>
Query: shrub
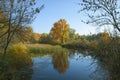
<point>18,55</point>
<point>109,55</point>
<point>84,44</point>
<point>16,63</point>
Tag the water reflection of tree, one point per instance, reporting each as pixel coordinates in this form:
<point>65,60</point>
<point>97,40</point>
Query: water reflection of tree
<point>60,62</point>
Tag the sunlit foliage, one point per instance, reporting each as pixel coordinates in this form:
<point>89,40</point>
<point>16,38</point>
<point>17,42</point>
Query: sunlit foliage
<point>60,31</point>
<point>17,64</point>
<point>35,38</point>
<point>18,54</point>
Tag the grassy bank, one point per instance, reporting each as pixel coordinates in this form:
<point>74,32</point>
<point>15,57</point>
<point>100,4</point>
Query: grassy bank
<point>106,51</point>
<point>45,48</point>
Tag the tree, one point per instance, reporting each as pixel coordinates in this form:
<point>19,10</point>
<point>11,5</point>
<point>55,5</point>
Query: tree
<point>77,36</point>
<point>45,38</point>
<point>19,13</point>
<point>35,37</point>
<point>104,37</point>
<point>60,31</point>
<point>72,34</point>
<point>25,34</point>
<point>102,12</point>
<point>2,19</point>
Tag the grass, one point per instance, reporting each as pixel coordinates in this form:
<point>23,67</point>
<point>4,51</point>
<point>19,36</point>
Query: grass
<point>39,45</point>
<point>45,48</point>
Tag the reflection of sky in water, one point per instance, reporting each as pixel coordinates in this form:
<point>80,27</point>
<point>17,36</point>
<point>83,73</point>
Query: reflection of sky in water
<point>80,68</point>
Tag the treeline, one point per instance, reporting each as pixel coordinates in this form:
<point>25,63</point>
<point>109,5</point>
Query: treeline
<point>60,33</point>
<point>88,41</point>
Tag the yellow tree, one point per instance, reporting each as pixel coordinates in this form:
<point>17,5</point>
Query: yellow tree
<point>60,31</point>
<point>36,37</point>
<point>105,37</point>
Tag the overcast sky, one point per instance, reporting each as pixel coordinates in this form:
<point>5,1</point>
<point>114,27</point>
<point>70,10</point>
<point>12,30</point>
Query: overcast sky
<point>60,9</point>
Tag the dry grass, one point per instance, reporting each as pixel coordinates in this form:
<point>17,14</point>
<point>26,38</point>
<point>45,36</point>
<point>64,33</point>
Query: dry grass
<point>39,45</point>
<point>45,48</point>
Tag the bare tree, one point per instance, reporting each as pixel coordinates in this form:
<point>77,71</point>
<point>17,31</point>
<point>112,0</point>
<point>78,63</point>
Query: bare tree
<point>102,12</point>
<point>19,13</point>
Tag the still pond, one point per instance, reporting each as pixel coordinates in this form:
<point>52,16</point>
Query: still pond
<point>67,66</point>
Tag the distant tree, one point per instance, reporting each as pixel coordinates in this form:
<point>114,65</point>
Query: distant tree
<point>18,13</point>
<point>102,12</point>
<point>77,36</point>
<point>60,31</point>
<point>104,37</point>
<point>72,34</point>
<point>35,37</point>
<point>45,38</point>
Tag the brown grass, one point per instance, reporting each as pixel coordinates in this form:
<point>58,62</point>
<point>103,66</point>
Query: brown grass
<point>39,45</point>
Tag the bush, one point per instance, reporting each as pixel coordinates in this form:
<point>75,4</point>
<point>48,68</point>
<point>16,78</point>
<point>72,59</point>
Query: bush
<point>109,55</point>
<point>18,55</point>
<point>77,45</point>
<point>16,63</point>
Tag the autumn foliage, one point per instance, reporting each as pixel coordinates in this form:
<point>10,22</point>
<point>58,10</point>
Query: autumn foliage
<point>60,31</point>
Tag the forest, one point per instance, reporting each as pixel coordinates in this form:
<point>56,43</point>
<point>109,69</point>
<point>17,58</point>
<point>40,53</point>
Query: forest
<point>19,44</point>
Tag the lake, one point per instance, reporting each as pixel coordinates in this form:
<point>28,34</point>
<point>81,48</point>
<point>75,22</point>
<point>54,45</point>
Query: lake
<point>67,66</point>
<point>60,65</point>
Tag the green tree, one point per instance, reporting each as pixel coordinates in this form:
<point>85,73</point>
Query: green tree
<point>72,34</point>
<point>19,13</point>
<point>45,38</point>
<point>77,36</point>
<point>60,31</point>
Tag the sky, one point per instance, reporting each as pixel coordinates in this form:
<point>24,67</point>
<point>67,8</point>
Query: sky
<point>55,10</point>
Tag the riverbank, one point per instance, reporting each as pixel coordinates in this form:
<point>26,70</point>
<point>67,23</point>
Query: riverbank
<point>106,51</point>
<point>45,48</point>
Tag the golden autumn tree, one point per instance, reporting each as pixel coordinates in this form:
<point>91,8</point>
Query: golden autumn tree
<point>60,31</point>
<point>105,37</point>
<point>35,38</point>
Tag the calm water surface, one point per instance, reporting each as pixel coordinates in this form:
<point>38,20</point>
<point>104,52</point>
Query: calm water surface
<point>67,66</point>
